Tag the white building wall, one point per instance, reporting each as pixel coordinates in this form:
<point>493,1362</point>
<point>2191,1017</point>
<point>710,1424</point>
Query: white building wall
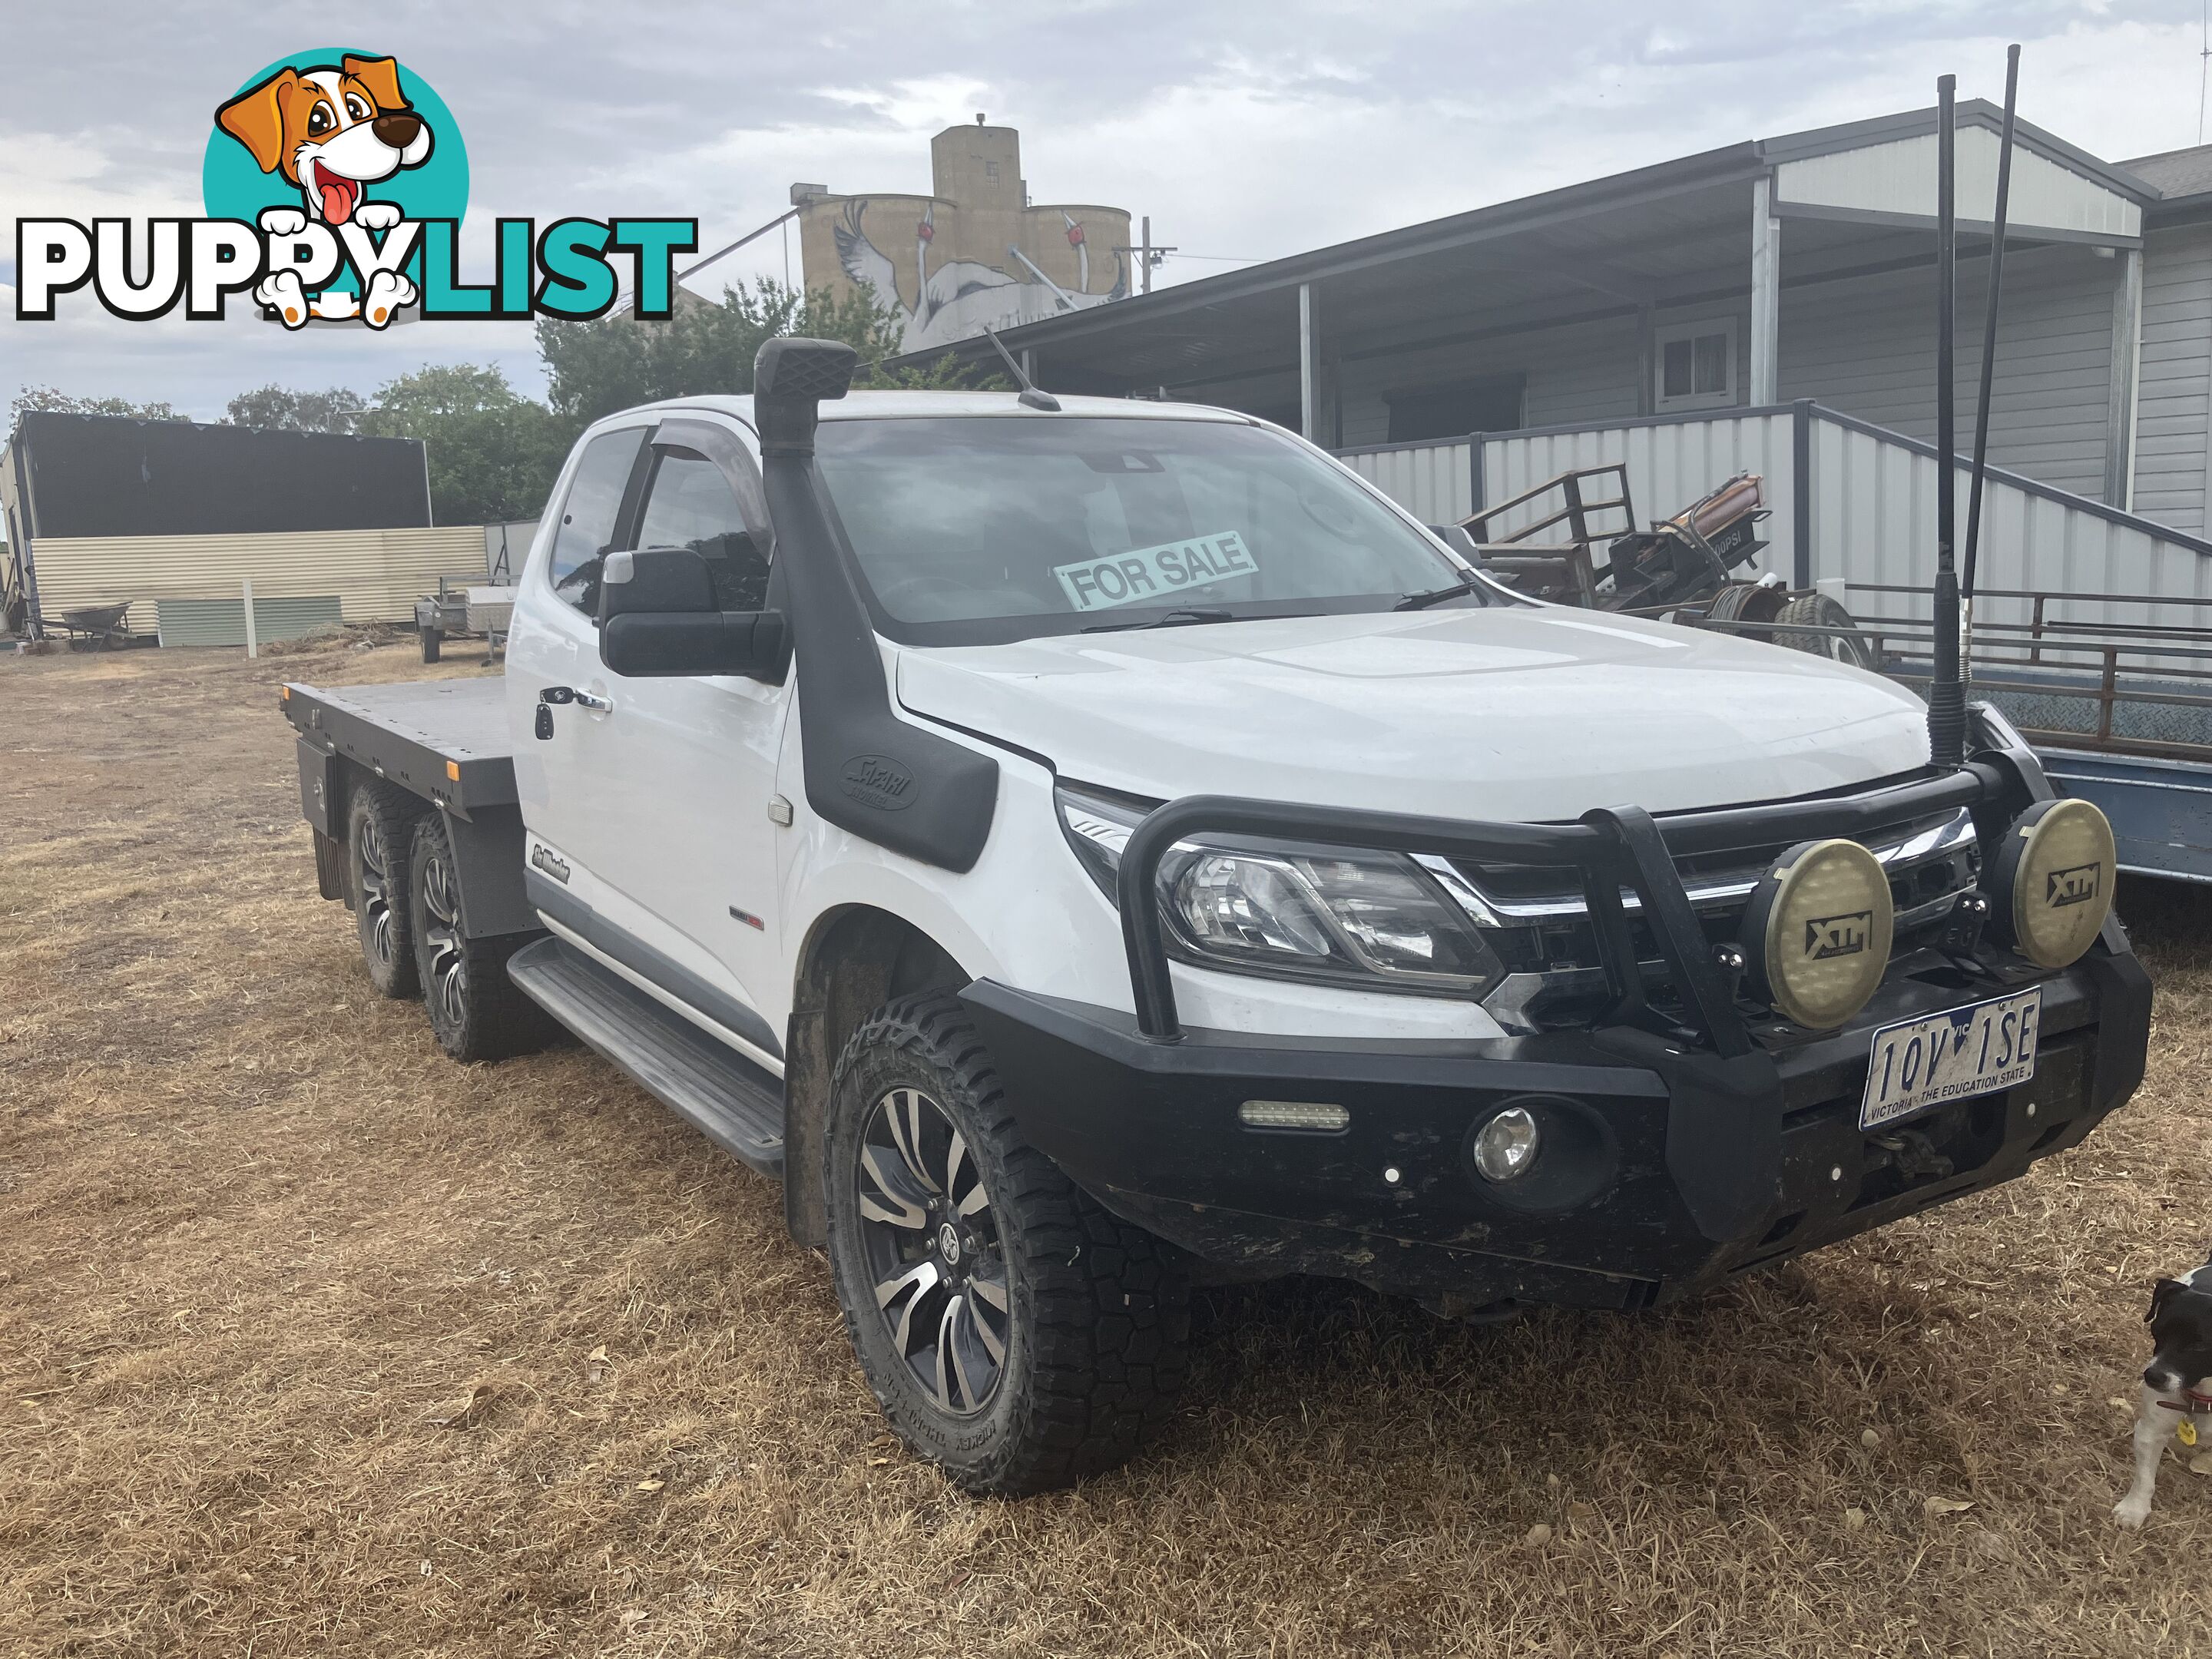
<point>1864,345</point>
<point>376,574</point>
<point>2173,387</point>
<point>1899,177</point>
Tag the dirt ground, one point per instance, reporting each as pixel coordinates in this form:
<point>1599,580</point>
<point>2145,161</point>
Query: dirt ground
<point>312,1342</point>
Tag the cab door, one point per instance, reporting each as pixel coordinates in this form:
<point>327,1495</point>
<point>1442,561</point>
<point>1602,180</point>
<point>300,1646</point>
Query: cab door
<point>694,776</point>
<point>575,850</point>
<point>664,790</point>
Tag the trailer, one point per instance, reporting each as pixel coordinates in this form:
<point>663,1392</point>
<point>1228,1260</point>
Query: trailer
<point>463,608</point>
<point>2112,692</point>
<point>2118,711</point>
<point>1680,569</point>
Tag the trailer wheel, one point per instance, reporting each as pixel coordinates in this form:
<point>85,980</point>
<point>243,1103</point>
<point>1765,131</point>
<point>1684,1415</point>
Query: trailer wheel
<point>1013,1331</point>
<point>477,1011</point>
<point>380,829</point>
<point>1746,602</point>
<point>1818,610</point>
<point>432,640</point>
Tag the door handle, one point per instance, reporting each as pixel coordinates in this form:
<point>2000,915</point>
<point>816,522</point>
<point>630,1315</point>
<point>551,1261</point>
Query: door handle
<point>561,694</point>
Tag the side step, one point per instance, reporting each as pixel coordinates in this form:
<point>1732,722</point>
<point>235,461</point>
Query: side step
<point>723,1095</point>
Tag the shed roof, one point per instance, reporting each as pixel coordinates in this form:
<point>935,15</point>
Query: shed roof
<point>2176,175</point>
<point>1671,213</point>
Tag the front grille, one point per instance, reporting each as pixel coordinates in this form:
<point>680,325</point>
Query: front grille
<point>1926,858</point>
<point>1536,921</point>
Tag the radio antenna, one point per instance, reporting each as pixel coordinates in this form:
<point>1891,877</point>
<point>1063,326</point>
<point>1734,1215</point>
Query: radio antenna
<point>1946,697</point>
<point>1030,395</point>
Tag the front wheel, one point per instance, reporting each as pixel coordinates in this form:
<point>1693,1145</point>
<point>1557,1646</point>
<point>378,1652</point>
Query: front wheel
<point>1012,1330</point>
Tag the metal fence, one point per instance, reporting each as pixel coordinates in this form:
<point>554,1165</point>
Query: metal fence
<point>376,574</point>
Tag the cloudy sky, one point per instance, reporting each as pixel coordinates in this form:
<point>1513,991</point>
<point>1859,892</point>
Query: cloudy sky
<point>1247,128</point>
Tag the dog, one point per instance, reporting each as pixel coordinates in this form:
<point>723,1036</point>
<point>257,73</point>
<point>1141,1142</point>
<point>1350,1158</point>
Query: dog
<point>2177,1384</point>
<point>332,132</point>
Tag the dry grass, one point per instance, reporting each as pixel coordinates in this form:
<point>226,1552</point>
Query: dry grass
<point>255,1237</point>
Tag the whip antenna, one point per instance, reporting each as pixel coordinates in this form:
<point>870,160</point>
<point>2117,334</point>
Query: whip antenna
<point>1946,697</point>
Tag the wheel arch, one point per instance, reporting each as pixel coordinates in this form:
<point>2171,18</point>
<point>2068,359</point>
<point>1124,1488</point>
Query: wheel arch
<point>855,959</point>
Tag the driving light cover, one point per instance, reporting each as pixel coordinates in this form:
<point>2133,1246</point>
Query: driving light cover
<point>1375,919</point>
<point>1817,933</point>
<point>2054,881</point>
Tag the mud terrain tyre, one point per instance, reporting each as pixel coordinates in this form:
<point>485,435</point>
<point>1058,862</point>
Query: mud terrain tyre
<point>1013,1331</point>
<point>380,831</point>
<point>476,1012</point>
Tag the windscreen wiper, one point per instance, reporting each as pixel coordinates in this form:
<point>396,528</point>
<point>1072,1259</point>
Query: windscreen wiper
<point>1438,595</point>
<point>1166,619</point>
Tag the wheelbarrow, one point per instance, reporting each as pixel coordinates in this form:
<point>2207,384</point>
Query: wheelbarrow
<point>93,627</point>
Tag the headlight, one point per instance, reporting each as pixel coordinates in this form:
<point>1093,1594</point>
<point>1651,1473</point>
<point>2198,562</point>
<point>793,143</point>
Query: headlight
<point>1373,919</point>
<point>2054,881</point>
<point>1817,930</point>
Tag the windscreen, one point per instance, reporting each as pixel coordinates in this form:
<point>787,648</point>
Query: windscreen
<point>995,528</point>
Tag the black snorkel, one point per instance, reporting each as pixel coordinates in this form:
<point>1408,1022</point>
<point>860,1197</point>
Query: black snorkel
<point>868,771</point>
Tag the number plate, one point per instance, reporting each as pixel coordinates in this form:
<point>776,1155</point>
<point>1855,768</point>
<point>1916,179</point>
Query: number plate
<point>1918,1063</point>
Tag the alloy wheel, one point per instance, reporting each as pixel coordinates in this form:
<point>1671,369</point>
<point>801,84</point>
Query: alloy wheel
<point>933,1250</point>
<point>375,886</point>
<point>446,986</point>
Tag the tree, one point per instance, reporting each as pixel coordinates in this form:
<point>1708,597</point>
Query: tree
<point>338,410</point>
<point>46,399</point>
<point>617,361</point>
<point>492,452</point>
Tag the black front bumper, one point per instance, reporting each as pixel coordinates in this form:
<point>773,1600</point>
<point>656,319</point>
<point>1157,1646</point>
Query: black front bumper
<point>1673,1168</point>
<point>1682,1143</point>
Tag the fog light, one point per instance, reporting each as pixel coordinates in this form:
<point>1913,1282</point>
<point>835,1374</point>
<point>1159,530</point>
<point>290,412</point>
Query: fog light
<point>1818,931</point>
<point>1293,1115</point>
<point>2054,881</point>
<point>1506,1145</point>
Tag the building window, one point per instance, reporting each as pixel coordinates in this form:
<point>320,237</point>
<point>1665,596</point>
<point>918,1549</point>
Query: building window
<point>1695,366</point>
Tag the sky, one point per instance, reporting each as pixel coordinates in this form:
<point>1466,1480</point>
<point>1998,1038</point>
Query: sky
<point>1246,129</point>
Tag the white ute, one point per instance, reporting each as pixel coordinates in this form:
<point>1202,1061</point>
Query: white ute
<point>1080,846</point>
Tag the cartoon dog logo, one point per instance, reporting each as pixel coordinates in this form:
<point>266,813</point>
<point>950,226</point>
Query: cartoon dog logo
<point>331,130</point>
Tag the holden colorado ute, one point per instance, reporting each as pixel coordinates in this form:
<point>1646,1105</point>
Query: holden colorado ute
<point>1080,846</point>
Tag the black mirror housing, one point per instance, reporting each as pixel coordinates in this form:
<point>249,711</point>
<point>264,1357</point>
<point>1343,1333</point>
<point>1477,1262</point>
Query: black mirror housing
<point>650,644</point>
<point>657,580</point>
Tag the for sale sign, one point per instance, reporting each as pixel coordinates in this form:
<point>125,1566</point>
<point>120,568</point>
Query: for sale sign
<point>1153,574</point>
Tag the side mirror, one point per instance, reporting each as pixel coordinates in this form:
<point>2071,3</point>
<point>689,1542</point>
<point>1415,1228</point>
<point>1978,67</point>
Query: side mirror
<point>655,578</point>
<point>658,617</point>
<point>646,643</point>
